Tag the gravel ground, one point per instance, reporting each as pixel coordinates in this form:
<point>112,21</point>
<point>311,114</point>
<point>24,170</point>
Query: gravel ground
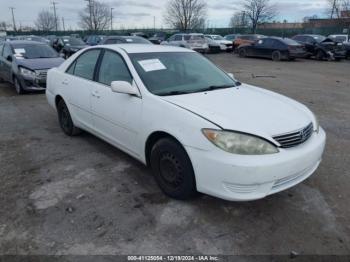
<point>78,196</point>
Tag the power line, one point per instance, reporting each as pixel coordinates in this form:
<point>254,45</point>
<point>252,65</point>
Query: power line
<point>13,19</point>
<point>54,11</point>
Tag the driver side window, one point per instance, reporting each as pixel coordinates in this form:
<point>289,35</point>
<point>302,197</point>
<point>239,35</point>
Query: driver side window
<point>113,68</point>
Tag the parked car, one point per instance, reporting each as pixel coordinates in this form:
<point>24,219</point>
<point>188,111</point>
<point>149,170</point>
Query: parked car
<point>231,37</point>
<point>157,38</point>
<point>68,45</point>
<point>125,40</point>
<point>140,34</point>
<point>320,47</point>
<point>25,63</point>
<point>196,42</point>
<point>340,38</point>
<point>345,39</point>
<point>192,123</point>
<point>246,39</point>
<point>225,45</point>
<point>94,39</point>
<point>214,47</point>
<point>275,48</point>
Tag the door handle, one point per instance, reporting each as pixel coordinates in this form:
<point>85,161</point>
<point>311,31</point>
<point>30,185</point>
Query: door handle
<point>95,94</point>
<point>65,82</point>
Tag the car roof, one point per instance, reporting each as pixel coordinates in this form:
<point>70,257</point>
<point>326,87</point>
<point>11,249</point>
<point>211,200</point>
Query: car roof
<point>146,48</point>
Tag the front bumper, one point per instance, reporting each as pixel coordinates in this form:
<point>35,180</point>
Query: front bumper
<point>32,84</point>
<point>244,178</point>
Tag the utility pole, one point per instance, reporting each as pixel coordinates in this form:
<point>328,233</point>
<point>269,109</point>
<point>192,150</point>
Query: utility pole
<point>154,23</point>
<point>64,28</point>
<point>334,8</point>
<point>90,8</point>
<point>112,18</point>
<point>54,11</point>
<point>13,19</point>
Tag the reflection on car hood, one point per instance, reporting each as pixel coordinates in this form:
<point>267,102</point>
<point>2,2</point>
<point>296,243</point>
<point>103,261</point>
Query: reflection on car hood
<point>76,46</point>
<point>40,63</point>
<point>247,109</point>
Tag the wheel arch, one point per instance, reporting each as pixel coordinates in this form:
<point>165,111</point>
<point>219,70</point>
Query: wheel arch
<point>154,138</point>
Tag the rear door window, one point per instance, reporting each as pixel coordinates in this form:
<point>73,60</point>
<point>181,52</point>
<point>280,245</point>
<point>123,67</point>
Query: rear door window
<point>85,64</point>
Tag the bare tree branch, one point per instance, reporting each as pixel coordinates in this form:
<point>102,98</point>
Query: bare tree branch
<point>100,16</point>
<point>45,21</point>
<point>259,11</point>
<point>186,14</point>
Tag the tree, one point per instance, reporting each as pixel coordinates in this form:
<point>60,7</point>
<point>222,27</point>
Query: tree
<point>186,14</point>
<point>239,19</point>
<point>95,16</point>
<point>45,21</point>
<point>4,26</point>
<point>259,11</point>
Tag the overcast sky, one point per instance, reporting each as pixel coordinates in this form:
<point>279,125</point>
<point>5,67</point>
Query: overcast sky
<point>140,13</point>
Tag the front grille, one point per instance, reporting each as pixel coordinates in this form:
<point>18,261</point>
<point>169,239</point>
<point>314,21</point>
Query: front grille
<point>295,138</point>
<point>41,74</point>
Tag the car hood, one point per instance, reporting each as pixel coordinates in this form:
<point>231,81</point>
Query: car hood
<point>40,63</point>
<point>224,42</point>
<point>247,109</point>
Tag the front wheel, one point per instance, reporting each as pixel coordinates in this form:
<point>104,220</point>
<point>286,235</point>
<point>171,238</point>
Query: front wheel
<point>242,53</point>
<point>18,86</point>
<point>65,120</point>
<point>320,55</point>
<point>173,169</point>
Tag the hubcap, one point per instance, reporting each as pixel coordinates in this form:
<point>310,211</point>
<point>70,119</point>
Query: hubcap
<point>170,170</point>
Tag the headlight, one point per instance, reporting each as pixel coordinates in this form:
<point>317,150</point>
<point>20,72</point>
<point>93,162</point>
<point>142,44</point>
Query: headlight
<point>237,143</point>
<point>26,72</point>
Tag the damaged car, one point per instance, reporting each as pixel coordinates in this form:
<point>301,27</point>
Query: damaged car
<point>25,64</point>
<point>321,47</point>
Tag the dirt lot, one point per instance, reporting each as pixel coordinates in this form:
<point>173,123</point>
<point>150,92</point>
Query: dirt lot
<point>62,195</point>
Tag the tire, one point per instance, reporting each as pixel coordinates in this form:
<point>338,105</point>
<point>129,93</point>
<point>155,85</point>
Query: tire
<point>320,55</point>
<point>242,53</point>
<point>65,120</point>
<point>18,86</point>
<point>276,56</point>
<point>172,169</point>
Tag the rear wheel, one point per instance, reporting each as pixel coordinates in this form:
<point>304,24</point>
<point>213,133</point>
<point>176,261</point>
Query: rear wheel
<point>242,53</point>
<point>65,120</point>
<point>276,56</point>
<point>173,169</point>
<point>18,86</point>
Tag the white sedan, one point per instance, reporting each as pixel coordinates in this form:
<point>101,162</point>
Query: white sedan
<point>198,128</point>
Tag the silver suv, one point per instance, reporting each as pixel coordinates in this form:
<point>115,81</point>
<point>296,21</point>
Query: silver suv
<point>196,42</point>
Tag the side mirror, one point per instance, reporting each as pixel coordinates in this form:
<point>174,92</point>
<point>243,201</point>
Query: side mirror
<point>124,87</point>
<point>9,58</point>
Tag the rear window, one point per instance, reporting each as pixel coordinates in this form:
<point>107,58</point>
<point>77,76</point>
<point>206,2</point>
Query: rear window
<point>197,37</point>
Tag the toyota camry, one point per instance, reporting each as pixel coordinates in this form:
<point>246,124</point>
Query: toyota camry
<point>195,125</point>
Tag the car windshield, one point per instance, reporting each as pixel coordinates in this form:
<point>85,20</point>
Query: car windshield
<point>73,41</point>
<point>218,37</point>
<point>179,73</point>
<point>30,51</point>
<point>319,38</point>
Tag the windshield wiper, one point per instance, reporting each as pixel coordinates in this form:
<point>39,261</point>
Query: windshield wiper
<point>214,87</point>
<point>173,93</point>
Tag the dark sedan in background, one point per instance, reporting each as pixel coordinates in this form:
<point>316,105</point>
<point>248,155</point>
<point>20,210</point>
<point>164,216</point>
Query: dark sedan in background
<point>68,45</point>
<point>25,64</point>
<point>125,40</point>
<point>275,48</point>
<point>321,47</point>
